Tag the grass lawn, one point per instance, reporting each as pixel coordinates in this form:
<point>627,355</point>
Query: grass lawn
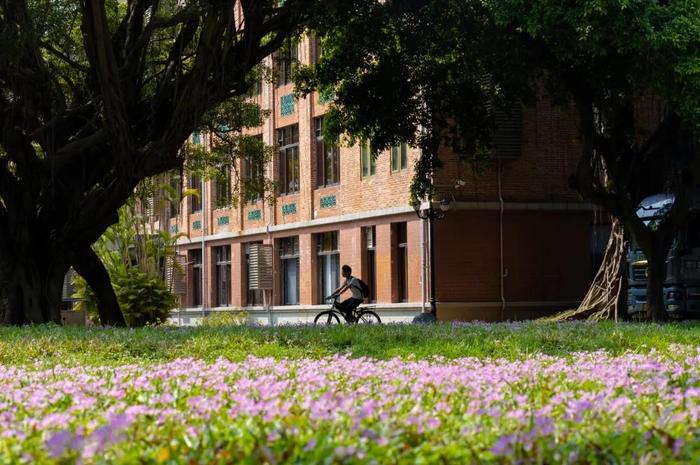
<point>93,346</point>
<point>525,393</point>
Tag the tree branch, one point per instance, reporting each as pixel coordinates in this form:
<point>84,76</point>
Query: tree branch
<point>103,62</point>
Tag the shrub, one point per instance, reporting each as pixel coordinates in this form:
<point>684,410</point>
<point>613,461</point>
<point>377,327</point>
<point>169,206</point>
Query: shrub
<point>225,319</point>
<point>144,299</point>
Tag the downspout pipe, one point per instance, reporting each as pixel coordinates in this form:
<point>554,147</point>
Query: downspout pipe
<point>422,265</point>
<point>205,294</point>
<point>503,272</point>
<point>269,302</point>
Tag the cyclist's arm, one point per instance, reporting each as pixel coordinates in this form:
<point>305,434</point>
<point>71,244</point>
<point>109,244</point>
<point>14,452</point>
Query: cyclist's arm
<point>340,290</point>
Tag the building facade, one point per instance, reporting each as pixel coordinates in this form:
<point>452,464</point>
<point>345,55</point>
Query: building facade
<point>516,242</point>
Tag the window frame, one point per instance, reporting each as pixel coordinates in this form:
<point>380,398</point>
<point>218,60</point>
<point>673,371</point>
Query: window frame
<point>402,260</point>
<point>195,257</point>
<point>286,63</point>
<point>322,158</point>
<point>289,251</point>
<point>370,244</point>
<point>288,145</point>
<point>399,157</point>
<point>195,200</point>
<point>223,263</point>
<point>223,200</point>
<point>368,167</point>
<point>324,250</point>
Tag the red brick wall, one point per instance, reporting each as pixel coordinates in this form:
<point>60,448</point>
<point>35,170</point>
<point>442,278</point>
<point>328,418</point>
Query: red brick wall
<point>546,255</point>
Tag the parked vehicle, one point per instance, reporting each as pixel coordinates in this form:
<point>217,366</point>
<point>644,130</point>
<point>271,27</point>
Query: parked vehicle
<point>682,284</point>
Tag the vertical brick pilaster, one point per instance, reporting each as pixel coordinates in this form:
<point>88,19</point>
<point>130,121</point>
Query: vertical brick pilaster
<point>350,245</point>
<point>308,284</point>
<point>239,274</point>
<point>386,264</point>
<point>413,229</point>
<point>209,294</point>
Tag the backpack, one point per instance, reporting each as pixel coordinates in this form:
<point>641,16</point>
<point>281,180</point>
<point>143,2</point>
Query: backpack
<point>364,288</point>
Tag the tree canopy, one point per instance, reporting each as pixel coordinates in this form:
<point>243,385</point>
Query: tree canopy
<point>436,72</point>
<point>96,96</point>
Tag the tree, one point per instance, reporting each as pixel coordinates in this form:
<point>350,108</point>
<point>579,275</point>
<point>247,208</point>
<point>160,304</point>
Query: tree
<point>436,72</point>
<point>96,96</point>
<point>632,71</point>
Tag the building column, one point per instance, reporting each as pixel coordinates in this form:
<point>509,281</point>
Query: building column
<point>238,275</point>
<point>387,283</point>
<point>209,294</point>
<point>350,245</point>
<point>308,284</point>
<point>413,230</point>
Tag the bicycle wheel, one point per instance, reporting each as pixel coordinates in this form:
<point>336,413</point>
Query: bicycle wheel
<point>368,317</point>
<point>327,318</point>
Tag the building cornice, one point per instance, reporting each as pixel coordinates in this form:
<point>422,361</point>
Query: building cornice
<point>384,212</point>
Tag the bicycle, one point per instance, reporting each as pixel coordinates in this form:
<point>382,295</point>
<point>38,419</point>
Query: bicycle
<point>333,315</point>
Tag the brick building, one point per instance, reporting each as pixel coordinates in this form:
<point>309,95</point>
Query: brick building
<point>337,206</point>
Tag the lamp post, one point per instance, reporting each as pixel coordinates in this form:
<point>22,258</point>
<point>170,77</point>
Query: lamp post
<point>426,211</point>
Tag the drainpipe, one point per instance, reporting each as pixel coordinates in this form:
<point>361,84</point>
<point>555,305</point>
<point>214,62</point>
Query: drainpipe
<point>422,266</point>
<point>503,271</point>
<point>205,294</point>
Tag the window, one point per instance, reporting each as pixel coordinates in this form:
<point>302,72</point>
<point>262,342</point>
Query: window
<point>223,276</point>
<point>196,138</point>
<point>195,200</point>
<point>399,157</point>
<point>196,261</point>
<point>255,296</point>
<point>176,188</point>
<point>289,256</point>
<point>255,174</point>
<point>288,141</point>
<point>286,63</point>
<point>328,263</point>
<point>371,250</point>
<point>317,50</point>
<point>368,159</point>
<point>507,139</point>
<point>402,260</point>
<point>256,88</point>
<point>223,188</point>
<point>328,158</point>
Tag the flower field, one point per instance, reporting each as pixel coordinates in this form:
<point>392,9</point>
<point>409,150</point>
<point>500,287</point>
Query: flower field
<point>582,408</point>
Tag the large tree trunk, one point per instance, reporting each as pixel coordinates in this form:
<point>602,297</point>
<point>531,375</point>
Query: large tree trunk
<point>88,265</point>
<point>656,275</point>
<point>606,296</point>
<point>31,283</point>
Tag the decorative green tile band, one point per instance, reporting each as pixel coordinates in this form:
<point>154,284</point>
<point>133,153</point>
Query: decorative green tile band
<point>328,201</point>
<point>222,220</point>
<point>287,105</point>
<point>289,209</point>
<point>254,215</point>
<point>197,224</point>
<point>173,228</point>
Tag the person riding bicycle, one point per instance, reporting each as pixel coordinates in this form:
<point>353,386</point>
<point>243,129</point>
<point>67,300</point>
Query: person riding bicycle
<point>352,283</point>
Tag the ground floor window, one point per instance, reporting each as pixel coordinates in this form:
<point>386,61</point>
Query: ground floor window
<point>328,263</point>
<point>289,258</point>
<point>255,296</point>
<point>223,276</point>
<point>402,260</point>
<point>371,260</point>
<point>196,263</point>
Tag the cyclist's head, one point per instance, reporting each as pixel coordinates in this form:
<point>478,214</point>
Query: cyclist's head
<point>347,271</point>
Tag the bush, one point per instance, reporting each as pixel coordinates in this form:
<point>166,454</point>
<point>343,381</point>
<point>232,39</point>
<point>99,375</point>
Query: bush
<point>225,319</point>
<point>144,300</point>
